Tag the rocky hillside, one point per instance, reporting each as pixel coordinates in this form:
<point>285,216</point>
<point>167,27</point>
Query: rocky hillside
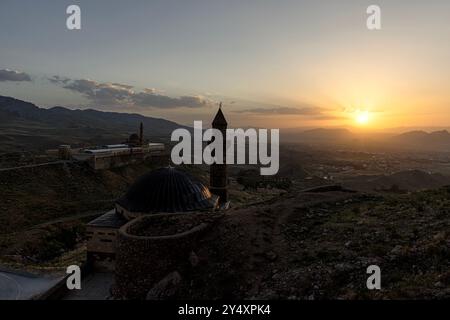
<point>319,245</point>
<point>44,209</point>
<point>409,180</point>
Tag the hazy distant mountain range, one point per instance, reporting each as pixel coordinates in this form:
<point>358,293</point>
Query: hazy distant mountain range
<point>23,125</point>
<point>412,140</point>
<point>437,140</point>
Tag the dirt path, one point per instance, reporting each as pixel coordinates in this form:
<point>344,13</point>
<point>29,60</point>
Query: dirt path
<point>264,245</point>
<point>37,165</point>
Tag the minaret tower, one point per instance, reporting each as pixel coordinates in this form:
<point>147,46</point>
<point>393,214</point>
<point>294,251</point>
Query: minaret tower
<point>141,134</point>
<point>218,172</point>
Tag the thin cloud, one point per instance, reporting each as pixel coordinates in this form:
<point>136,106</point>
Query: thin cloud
<point>117,94</point>
<point>329,117</point>
<point>13,75</point>
<point>306,111</point>
<point>109,94</point>
<point>58,80</point>
<point>145,99</point>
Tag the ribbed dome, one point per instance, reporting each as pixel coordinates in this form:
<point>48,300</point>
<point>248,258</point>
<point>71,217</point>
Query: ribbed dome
<point>167,190</point>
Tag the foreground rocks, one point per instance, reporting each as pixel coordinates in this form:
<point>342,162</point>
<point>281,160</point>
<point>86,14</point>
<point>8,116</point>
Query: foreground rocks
<point>318,246</point>
<point>166,288</point>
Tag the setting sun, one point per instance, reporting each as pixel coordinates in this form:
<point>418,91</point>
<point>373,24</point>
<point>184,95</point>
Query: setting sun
<point>362,117</point>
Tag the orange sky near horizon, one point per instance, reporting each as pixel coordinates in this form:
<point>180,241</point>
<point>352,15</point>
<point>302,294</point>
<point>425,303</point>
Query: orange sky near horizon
<point>273,64</point>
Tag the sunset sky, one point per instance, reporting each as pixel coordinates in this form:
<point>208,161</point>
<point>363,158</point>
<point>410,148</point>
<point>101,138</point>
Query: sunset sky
<point>274,64</point>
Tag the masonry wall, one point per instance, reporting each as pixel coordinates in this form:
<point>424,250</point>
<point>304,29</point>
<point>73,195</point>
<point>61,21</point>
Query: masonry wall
<point>107,162</point>
<point>101,247</point>
<point>144,261</point>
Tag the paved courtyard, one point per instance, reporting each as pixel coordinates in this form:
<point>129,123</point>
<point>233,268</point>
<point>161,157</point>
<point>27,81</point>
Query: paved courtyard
<point>95,286</point>
<point>24,286</point>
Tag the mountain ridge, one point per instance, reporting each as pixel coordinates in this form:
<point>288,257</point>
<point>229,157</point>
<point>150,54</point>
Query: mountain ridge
<point>23,125</point>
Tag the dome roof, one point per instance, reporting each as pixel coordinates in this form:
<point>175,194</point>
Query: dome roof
<point>134,138</point>
<point>167,190</point>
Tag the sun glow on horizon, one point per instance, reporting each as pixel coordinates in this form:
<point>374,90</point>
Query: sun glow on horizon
<point>362,117</point>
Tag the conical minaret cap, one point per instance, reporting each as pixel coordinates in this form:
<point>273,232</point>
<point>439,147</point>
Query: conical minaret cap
<point>219,119</point>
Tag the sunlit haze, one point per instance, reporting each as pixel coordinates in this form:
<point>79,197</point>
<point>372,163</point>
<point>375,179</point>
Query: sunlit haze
<point>279,64</point>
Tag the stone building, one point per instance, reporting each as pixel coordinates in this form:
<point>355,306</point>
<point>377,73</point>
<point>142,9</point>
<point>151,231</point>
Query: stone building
<point>115,239</point>
<point>133,150</point>
<point>137,140</point>
<point>102,235</point>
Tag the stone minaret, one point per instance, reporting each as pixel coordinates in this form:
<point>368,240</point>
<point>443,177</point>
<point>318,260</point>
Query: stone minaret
<point>218,172</point>
<point>141,134</point>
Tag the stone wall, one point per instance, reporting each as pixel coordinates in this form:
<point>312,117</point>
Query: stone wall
<point>101,239</point>
<point>142,261</point>
<point>114,161</point>
<point>101,248</point>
